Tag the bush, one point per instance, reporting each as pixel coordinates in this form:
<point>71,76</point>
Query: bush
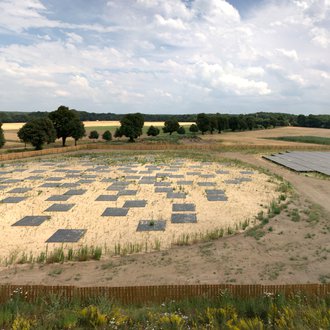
<point>193,128</point>
<point>107,136</point>
<point>153,131</point>
<point>93,135</point>
<point>181,130</point>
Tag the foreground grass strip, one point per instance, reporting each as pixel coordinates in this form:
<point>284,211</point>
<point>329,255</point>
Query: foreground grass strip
<point>268,311</point>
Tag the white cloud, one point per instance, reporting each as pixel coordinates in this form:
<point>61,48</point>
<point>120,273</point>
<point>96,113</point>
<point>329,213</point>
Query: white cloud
<point>155,55</point>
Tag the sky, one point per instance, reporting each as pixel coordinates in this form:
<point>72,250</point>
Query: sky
<point>165,56</point>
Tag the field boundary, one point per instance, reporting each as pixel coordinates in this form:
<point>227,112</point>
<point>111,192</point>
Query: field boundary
<point>144,294</point>
<point>156,146</point>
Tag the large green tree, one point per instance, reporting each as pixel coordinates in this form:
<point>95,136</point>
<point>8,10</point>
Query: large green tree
<point>171,125</point>
<point>64,121</point>
<point>131,126</point>
<point>37,132</point>
<point>77,130</point>
<point>2,137</point>
<point>203,122</point>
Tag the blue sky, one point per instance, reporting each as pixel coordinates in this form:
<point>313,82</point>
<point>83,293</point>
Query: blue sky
<point>173,56</point>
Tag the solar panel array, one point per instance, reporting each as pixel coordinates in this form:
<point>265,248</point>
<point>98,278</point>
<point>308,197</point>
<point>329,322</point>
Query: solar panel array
<point>303,161</point>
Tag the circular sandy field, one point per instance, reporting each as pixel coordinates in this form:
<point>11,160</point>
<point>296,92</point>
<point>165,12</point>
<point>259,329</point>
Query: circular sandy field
<point>218,197</point>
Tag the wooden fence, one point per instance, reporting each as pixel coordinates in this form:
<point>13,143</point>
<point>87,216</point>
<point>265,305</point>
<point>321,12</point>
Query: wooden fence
<point>143,294</point>
<point>155,147</point>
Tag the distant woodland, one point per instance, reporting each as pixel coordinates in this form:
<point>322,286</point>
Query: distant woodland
<point>241,122</point>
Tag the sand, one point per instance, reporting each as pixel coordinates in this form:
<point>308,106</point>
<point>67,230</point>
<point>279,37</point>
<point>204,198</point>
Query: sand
<point>244,203</point>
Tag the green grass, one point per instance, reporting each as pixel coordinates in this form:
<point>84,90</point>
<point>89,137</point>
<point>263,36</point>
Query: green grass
<point>223,312</point>
<point>304,139</point>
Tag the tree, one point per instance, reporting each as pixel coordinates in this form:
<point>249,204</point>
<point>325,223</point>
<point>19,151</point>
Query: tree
<point>118,133</point>
<point>63,120</point>
<point>131,126</point>
<point>170,126</point>
<point>193,128</point>
<point>233,123</point>
<point>2,137</point>
<point>213,123</point>
<point>153,131</point>
<point>77,130</point>
<point>93,135</point>
<point>181,130</point>
<point>37,132</point>
<point>107,136</point>
<point>203,122</point>
<point>222,122</point>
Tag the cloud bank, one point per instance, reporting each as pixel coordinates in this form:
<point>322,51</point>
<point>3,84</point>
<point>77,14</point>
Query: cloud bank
<point>171,56</point>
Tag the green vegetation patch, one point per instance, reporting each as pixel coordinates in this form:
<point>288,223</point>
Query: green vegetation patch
<point>268,311</point>
<point>304,139</point>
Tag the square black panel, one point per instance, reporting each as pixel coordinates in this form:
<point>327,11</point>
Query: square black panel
<point>67,236</point>
<point>54,178</point>
<point>163,189</point>
<point>127,193</point>
<point>214,192</point>
<point>246,172</point>
<point>136,203</point>
<point>183,218</point>
<point>69,185</point>
<point>13,200</point>
<point>222,172</point>
<point>19,190</point>
<point>184,207</point>
<point>32,220</point>
<point>133,177</point>
<point>60,208</point>
<point>234,181</point>
<point>115,212</point>
<point>162,184</point>
<point>50,185</point>
<point>85,181</point>
<point>207,176</point>
<point>194,173</point>
<point>244,179</point>
<point>34,177</point>
<point>11,181</point>
<point>58,198</point>
<point>75,192</point>
<point>107,198</point>
<point>184,183</point>
<point>217,198</point>
<point>151,225</point>
<point>176,195</point>
<point>206,184</point>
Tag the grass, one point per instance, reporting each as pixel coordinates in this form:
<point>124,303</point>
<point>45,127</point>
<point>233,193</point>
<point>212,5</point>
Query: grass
<point>304,139</point>
<point>267,311</point>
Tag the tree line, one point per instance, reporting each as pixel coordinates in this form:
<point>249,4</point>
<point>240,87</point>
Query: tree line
<point>63,123</point>
<point>239,122</point>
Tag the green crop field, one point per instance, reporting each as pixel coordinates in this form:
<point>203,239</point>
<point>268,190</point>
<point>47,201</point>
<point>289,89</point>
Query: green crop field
<point>304,139</point>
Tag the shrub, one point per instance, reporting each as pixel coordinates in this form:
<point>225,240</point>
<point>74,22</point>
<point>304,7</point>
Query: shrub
<point>107,136</point>
<point>93,135</point>
<point>181,130</point>
<point>153,131</point>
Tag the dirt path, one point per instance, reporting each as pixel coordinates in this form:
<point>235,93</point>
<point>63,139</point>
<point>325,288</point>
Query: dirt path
<point>313,189</point>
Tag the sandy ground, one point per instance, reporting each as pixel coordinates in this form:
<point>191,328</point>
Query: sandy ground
<point>244,202</point>
<point>289,252</point>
